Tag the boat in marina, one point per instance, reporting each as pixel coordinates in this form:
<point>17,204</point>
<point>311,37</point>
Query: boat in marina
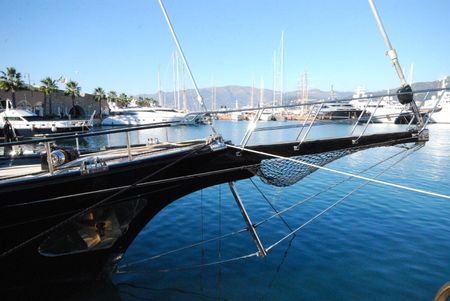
<point>438,106</point>
<point>384,110</point>
<point>141,116</point>
<point>70,217</point>
<point>342,111</point>
<point>23,123</point>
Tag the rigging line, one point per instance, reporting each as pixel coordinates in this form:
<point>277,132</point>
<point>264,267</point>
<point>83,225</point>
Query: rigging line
<point>422,191</point>
<point>180,50</point>
<point>162,181</point>
<point>271,205</point>
<point>202,260</point>
<point>159,290</point>
<point>257,224</point>
<point>275,244</point>
<point>189,267</point>
<point>182,248</point>
<point>219,247</point>
<point>328,188</point>
<point>24,243</point>
<point>338,201</point>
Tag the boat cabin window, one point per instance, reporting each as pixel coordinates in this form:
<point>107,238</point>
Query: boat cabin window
<point>33,118</point>
<point>167,110</point>
<point>124,113</point>
<point>14,118</point>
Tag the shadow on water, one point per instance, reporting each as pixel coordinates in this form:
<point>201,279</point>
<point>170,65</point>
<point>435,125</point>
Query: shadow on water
<point>157,291</point>
<point>101,291</point>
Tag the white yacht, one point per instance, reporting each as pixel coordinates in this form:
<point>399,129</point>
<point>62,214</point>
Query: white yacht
<point>141,116</point>
<point>25,123</point>
<point>339,111</point>
<point>387,111</point>
<point>441,113</point>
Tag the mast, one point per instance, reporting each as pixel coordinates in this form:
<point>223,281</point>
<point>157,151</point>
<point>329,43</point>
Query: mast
<point>160,100</point>
<point>174,81</point>
<point>408,97</point>
<point>411,71</point>
<point>253,92</point>
<point>261,93</point>
<point>212,93</point>
<point>274,77</point>
<point>215,98</point>
<point>183,78</point>
<point>178,79</point>
<point>281,67</point>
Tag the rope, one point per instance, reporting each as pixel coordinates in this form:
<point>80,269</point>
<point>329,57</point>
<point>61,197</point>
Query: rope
<point>86,210</point>
<point>343,172</point>
<point>189,267</point>
<point>328,188</point>
<point>121,269</point>
<point>162,181</point>
<point>182,248</point>
<point>337,202</point>
<point>220,237</point>
<point>219,247</point>
<point>271,205</point>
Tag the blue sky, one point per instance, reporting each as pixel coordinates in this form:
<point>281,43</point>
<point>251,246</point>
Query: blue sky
<point>119,45</point>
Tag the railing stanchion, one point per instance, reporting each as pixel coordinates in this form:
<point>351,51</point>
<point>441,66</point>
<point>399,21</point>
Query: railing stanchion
<point>49,157</point>
<point>129,147</point>
<point>368,121</point>
<point>309,127</point>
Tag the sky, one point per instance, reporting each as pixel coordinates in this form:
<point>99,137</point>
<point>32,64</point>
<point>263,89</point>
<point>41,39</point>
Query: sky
<point>119,45</point>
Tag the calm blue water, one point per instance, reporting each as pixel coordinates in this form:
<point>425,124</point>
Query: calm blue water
<point>381,243</point>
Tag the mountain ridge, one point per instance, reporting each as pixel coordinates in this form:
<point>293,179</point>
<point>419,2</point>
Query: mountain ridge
<point>229,95</point>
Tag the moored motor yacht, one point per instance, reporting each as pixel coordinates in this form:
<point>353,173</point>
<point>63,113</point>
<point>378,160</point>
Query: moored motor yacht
<point>25,123</point>
<point>339,111</point>
<point>385,110</point>
<point>141,116</point>
<point>441,110</point>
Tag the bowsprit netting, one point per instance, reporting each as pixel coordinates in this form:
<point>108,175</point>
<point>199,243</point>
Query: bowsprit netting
<point>282,172</point>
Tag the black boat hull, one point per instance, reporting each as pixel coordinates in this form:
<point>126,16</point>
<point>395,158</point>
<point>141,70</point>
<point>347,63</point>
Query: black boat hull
<point>38,212</point>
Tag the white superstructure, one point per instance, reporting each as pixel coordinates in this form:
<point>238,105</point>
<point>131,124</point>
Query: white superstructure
<point>142,115</point>
<point>27,123</point>
<point>386,110</point>
<point>442,109</point>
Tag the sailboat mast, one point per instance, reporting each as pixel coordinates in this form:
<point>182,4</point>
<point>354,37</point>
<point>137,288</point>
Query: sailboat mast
<point>261,93</point>
<point>411,72</point>
<point>160,100</point>
<point>178,79</point>
<point>253,92</point>
<point>281,67</point>
<point>214,98</point>
<point>183,78</point>
<point>274,77</point>
<point>212,93</point>
<point>174,82</point>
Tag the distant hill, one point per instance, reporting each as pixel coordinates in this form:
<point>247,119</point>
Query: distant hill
<point>228,95</point>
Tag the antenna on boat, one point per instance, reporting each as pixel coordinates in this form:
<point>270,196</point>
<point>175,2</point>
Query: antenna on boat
<point>186,65</point>
<point>405,95</point>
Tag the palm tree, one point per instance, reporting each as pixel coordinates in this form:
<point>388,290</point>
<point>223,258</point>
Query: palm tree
<point>112,95</point>
<point>99,95</point>
<point>72,90</point>
<point>122,100</point>
<point>11,81</point>
<point>48,87</point>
